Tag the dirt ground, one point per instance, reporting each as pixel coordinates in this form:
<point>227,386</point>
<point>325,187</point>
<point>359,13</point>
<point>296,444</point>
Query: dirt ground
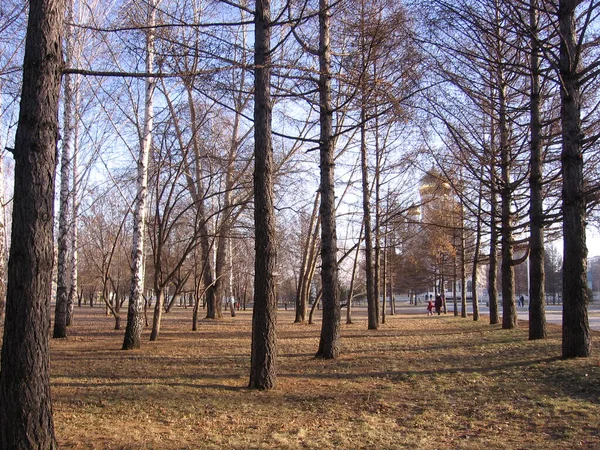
<point>417,383</point>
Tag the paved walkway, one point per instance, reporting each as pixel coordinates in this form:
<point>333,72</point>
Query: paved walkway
<point>553,313</point>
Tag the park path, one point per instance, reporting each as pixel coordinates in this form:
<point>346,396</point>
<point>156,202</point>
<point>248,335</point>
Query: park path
<point>553,312</point>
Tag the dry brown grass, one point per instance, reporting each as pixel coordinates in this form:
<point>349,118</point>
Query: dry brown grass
<point>417,383</point>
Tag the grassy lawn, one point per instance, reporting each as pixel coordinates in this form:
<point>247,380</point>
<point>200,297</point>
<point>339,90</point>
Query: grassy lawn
<point>416,383</point>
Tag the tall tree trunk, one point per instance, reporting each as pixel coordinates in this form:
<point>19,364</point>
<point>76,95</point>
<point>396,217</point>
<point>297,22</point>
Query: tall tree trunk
<point>509,308</point>
<point>463,263</point>
<point>25,406</point>
<point>493,263</point>
<point>158,309</point>
<point>576,340</point>
<point>475,271</point>
<point>329,344</point>
<point>377,231</point>
<point>73,286</point>
<point>207,276</point>
<point>372,302</point>
<point>537,310</point>
<point>384,275</point>
<point>221,265</point>
<point>264,315</point>
<point>62,294</point>
<point>454,285</point>
<point>2,229</point>
<point>391,290</point>
<point>135,312</point>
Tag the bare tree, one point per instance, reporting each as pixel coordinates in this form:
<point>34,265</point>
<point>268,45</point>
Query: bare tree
<point>135,311</point>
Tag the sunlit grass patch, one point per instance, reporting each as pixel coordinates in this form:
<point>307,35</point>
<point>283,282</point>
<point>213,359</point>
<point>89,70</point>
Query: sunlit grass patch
<point>416,383</point>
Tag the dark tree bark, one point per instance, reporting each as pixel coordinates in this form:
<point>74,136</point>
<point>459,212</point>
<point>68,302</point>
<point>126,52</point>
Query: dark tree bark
<point>25,405</point>
<point>372,303</point>
<point>493,265</point>
<point>158,310</point>
<point>576,340</point>
<point>537,312</point>
<point>212,311</point>
<point>463,263</point>
<point>329,344</point>
<point>475,268</point>
<point>509,308</point>
<point>264,315</point>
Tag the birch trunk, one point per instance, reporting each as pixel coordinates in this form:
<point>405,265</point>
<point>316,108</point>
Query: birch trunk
<point>73,287</point>
<point>135,312</point>
<point>62,295</point>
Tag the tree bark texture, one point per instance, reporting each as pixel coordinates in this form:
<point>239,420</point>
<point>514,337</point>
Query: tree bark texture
<point>475,267</point>
<point>135,311</point>
<point>537,295</point>
<point>493,266</point>
<point>73,286</point>
<point>576,340</point>
<point>463,263</point>
<point>372,302</point>
<point>509,308</point>
<point>329,344</point>
<point>62,294</point>
<point>2,232</point>
<point>158,310</point>
<point>264,315</point>
<point>25,404</point>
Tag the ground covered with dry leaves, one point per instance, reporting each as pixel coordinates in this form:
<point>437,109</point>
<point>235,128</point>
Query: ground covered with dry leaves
<point>416,383</point>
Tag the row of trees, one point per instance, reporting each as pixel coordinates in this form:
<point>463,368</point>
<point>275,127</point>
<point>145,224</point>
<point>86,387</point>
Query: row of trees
<point>518,126</point>
<point>491,92</point>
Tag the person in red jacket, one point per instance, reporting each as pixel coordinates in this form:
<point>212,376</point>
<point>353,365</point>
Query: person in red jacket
<point>430,308</point>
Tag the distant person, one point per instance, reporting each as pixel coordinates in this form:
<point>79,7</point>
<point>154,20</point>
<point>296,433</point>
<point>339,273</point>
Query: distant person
<point>438,304</point>
<point>430,308</point>
<point>522,301</point>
